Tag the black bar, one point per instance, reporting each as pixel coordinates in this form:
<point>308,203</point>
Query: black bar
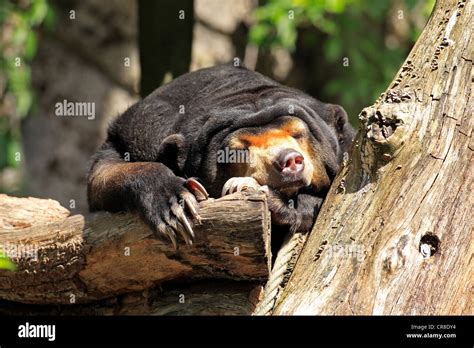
<point>244,330</point>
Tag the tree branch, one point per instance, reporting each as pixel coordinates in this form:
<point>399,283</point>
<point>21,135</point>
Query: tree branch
<point>77,259</point>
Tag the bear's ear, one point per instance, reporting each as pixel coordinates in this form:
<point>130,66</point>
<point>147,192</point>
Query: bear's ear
<point>345,132</point>
<point>173,152</point>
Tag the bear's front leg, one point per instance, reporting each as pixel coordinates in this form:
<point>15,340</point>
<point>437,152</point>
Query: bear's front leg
<point>166,202</point>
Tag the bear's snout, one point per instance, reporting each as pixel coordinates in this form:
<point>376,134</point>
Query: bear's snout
<point>290,162</point>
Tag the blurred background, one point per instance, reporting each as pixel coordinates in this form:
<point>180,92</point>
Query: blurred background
<point>111,52</point>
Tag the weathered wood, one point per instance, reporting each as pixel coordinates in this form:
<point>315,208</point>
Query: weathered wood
<point>208,297</point>
<point>81,258</point>
<point>395,233</point>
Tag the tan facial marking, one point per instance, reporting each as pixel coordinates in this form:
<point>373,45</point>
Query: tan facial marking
<point>265,146</point>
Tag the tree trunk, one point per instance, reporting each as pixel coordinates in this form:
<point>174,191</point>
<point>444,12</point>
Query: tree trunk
<point>165,39</point>
<point>394,235</point>
<point>82,258</point>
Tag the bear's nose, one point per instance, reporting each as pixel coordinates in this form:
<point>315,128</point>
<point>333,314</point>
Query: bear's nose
<point>291,162</point>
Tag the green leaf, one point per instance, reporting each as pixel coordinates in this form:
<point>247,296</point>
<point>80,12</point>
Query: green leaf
<point>335,6</point>
<point>37,12</point>
<point>333,49</point>
<point>5,263</point>
<point>19,83</point>
<point>259,33</point>
<point>19,34</point>
<point>287,33</point>
<point>30,45</point>
<point>50,20</point>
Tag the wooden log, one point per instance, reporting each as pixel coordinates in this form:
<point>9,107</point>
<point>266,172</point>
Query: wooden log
<point>394,235</point>
<point>81,258</point>
<point>209,297</point>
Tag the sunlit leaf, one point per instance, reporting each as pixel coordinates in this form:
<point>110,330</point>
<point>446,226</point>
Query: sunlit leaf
<point>6,264</point>
<point>259,33</point>
<point>38,11</point>
<point>30,45</point>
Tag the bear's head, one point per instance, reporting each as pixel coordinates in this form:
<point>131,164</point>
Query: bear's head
<point>285,154</point>
<point>280,155</point>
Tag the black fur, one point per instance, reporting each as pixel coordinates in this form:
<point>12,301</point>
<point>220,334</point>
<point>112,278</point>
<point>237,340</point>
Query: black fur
<point>217,102</point>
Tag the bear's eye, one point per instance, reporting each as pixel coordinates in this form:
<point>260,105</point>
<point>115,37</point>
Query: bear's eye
<point>239,143</point>
<point>298,135</point>
<point>244,144</point>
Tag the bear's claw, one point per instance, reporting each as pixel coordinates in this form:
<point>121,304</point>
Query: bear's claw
<point>238,184</point>
<point>197,189</point>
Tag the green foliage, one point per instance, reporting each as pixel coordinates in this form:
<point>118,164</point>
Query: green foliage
<point>6,263</point>
<point>18,45</point>
<point>351,31</point>
<point>20,48</point>
<point>277,21</point>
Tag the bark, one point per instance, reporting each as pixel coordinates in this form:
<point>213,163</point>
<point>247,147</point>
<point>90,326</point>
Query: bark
<point>65,259</point>
<point>394,235</point>
<point>209,297</point>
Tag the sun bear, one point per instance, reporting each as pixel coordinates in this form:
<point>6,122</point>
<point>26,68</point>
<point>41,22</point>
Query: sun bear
<point>192,127</point>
